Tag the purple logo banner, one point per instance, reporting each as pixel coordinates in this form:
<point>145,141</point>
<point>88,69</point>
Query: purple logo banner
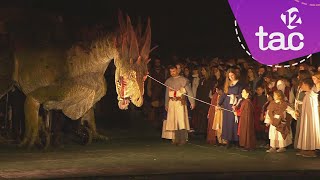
<point>278,31</point>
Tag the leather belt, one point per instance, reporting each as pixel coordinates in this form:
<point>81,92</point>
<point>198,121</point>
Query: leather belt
<point>175,98</point>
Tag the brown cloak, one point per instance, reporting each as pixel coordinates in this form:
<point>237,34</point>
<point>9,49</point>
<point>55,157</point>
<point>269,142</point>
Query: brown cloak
<point>246,131</point>
<point>282,124</point>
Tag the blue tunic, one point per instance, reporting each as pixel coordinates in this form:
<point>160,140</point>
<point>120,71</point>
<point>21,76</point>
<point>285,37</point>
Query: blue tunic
<point>229,126</point>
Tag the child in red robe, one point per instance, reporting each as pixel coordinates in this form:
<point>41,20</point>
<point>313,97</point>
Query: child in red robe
<point>246,131</point>
<point>258,101</point>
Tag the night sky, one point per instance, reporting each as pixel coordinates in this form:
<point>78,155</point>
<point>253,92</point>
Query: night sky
<point>188,29</point>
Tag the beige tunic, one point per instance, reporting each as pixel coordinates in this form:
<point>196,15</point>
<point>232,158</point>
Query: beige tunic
<point>166,134</point>
<point>177,115</point>
<point>217,123</point>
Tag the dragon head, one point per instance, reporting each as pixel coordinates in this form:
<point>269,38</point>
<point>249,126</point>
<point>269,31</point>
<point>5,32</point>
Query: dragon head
<point>131,62</point>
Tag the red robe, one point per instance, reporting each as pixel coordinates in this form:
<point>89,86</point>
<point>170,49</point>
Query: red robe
<point>257,113</point>
<point>246,132</point>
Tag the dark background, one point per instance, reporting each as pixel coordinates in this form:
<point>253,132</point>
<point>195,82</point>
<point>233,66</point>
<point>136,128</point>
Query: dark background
<point>195,29</point>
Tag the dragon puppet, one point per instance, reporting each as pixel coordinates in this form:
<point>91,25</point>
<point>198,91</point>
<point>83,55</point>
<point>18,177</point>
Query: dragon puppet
<point>72,79</point>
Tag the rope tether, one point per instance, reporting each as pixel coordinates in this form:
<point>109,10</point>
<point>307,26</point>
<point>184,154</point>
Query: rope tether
<point>188,95</point>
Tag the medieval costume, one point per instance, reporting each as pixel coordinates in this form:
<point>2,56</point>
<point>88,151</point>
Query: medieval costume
<point>258,102</point>
<point>211,132</point>
<point>316,90</point>
<point>250,85</point>
<point>194,86</point>
<point>266,128</point>
<point>280,134</point>
<point>199,115</point>
<point>195,83</point>
<point>309,134</point>
<point>298,107</point>
<point>230,126</point>
<point>165,133</point>
<point>217,124</point>
<point>156,92</point>
<point>270,87</point>
<point>258,81</point>
<point>246,132</point>
<point>175,101</point>
<point>280,85</point>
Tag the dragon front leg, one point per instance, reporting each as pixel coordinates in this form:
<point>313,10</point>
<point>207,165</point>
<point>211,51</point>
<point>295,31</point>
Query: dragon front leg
<point>31,110</point>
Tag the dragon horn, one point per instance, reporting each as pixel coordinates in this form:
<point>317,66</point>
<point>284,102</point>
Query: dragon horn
<point>121,22</point>
<point>147,42</point>
<point>134,47</point>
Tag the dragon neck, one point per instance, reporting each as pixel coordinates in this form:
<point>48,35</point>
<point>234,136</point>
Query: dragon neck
<point>103,50</point>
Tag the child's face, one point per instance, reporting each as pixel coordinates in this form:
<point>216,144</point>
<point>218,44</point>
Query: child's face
<point>232,76</point>
<point>250,73</point>
<point>219,91</point>
<point>195,72</point>
<point>315,80</point>
<point>259,91</point>
<point>216,72</point>
<point>178,68</point>
<point>203,72</point>
<point>287,83</point>
<point>305,87</point>
<point>266,79</point>
<point>261,71</point>
<point>186,71</point>
<point>276,97</point>
<point>244,94</point>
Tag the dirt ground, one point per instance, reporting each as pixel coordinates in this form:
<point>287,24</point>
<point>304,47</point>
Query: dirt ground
<point>151,157</point>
